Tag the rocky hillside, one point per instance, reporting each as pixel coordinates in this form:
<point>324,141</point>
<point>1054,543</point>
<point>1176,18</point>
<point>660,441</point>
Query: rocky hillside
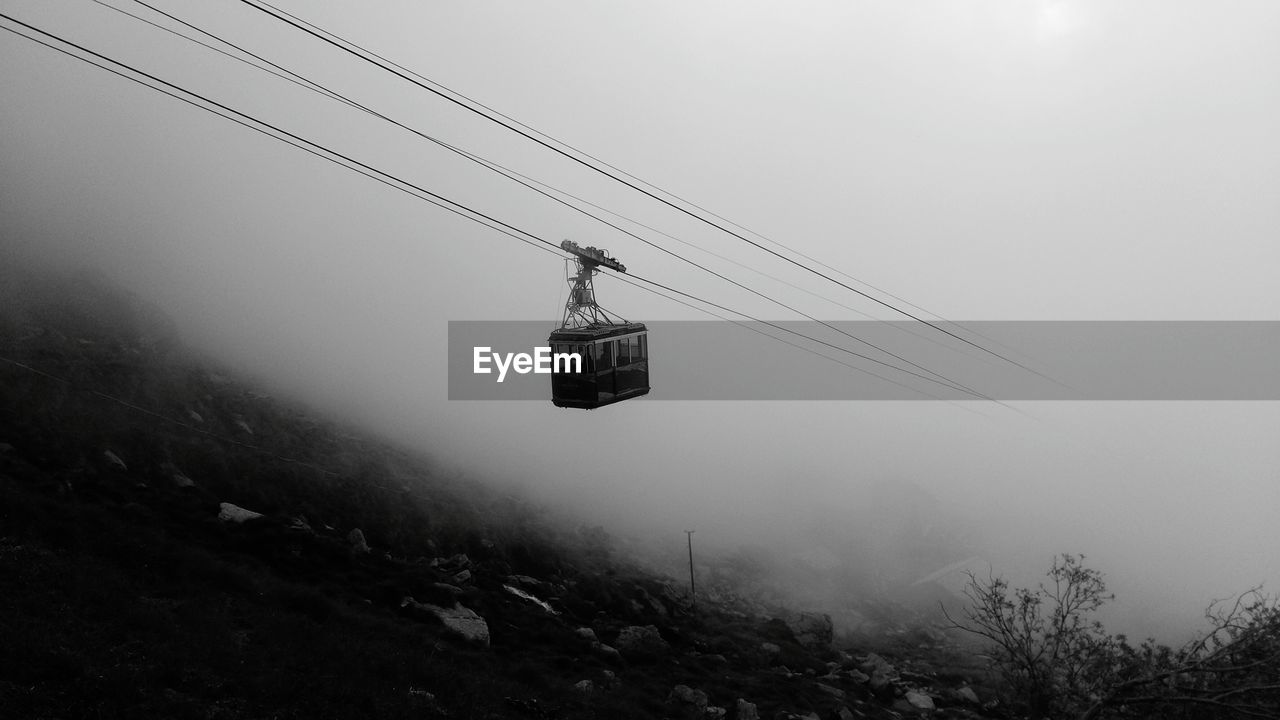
<point>176,543</point>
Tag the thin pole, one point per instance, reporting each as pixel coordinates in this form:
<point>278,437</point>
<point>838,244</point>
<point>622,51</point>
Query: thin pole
<point>693,593</point>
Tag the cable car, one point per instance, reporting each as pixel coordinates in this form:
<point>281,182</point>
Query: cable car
<point>614,352</point>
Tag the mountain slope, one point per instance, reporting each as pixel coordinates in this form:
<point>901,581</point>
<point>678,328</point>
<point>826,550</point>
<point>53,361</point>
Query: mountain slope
<point>177,543</point>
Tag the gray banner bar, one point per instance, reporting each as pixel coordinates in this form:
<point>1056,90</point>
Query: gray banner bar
<point>1055,360</point>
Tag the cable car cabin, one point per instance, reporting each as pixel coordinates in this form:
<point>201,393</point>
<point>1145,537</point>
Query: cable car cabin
<point>615,365</point>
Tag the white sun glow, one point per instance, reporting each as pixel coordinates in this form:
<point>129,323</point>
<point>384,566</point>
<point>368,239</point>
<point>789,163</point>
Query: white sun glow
<point>1057,18</point>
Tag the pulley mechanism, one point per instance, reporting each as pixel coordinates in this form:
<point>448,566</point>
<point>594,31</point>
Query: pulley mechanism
<point>581,310</point>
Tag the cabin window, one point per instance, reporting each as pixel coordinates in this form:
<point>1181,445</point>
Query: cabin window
<point>624,354</point>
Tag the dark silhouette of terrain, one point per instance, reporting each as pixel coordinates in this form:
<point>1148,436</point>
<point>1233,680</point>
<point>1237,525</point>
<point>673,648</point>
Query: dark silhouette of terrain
<point>176,543</point>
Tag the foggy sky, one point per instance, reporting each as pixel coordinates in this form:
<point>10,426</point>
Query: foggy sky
<point>1031,160</point>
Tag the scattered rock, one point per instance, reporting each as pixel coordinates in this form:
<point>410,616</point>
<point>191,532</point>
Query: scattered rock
<point>966,694</point>
<point>462,578</point>
<point>685,695</point>
<point>451,589</point>
<point>858,676</point>
<point>236,514</point>
<point>299,523</point>
<point>182,481</point>
<point>113,461</point>
<point>714,713</point>
<point>640,640</point>
<point>195,416</point>
<point>357,541</point>
<point>845,713</point>
<point>584,686</point>
<point>813,630</point>
<point>540,603</point>
<point>873,663</point>
<point>607,651</point>
<point>915,677</point>
<point>881,684</point>
<point>834,692</point>
<point>458,618</point>
<point>244,426</point>
<point>586,633</point>
<point>644,602</point>
<point>770,649</point>
<point>920,701</point>
<point>746,710</point>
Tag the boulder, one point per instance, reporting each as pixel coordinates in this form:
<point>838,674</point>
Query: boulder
<point>873,663</point>
<point>813,630</point>
<point>585,687</point>
<point>966,694</point>
<point>526,596</point>
<point>920,701</point>
<point>640,640</point>
<point>607,652</point>
<point>746,710</point>
<point>586,633</point>
<point>643,602</point>
<point>685,695</point>
<point>182,481</point>
<point>358,543</point>
<point>236,514</point>
<point>881,684</point>
<point>458,618</point>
